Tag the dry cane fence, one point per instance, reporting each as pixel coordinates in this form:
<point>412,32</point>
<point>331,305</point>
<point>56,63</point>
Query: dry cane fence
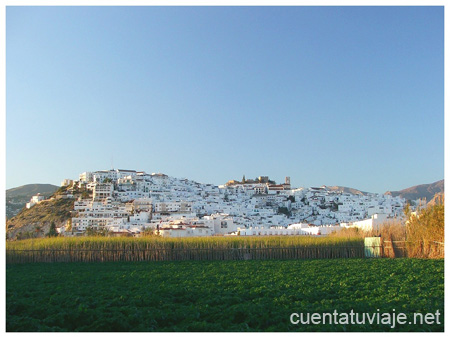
<point>397,249</point>
<point>132,255</point>
<point>394,249</point>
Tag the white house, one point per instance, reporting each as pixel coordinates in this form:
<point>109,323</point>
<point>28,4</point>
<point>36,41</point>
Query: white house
<point>35,200</point>
<point>372,223</point>
<point>66,182</point>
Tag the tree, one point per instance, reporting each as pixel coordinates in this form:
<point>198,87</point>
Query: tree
<point>37,229</point>
<point>284,210</point>
<point>149,233</point>
<point>92,231</point>
<point>52,232</point>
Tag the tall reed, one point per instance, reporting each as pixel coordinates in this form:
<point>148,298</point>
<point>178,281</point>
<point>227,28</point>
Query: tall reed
<point>425,232</point>
<point>156,248</point>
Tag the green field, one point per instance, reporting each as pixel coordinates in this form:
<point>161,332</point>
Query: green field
<point>218,295</point>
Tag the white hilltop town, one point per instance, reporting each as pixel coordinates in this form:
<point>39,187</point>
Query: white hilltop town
<point>129,202</point>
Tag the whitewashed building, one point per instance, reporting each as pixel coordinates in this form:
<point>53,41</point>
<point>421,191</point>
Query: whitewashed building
<point>35,200</point>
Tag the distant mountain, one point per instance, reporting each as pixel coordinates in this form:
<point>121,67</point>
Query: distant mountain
<point>16,198</point>
<point>346,190</point>
<point>31,190</point>
<point>427,191</point>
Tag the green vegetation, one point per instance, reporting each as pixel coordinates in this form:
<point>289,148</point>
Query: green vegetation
<point>52,232</point>
<point>219,296</point>
<point>284,210</point>
<point>95,232</point>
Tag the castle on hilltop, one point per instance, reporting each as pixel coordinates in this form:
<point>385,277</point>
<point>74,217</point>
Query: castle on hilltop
<point>262,182</point>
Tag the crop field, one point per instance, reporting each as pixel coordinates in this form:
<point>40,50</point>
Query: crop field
<point>219,295</point>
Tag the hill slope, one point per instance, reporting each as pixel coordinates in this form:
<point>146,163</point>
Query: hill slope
<point>31,190</point>
<point>36,221</point>
<point>427,191</point>
<point>16,198</point>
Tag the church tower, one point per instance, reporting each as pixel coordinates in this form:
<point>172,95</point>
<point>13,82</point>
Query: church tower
<point>287,183</point>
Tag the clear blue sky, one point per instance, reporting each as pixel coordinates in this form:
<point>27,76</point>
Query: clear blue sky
<point>326,95</point>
